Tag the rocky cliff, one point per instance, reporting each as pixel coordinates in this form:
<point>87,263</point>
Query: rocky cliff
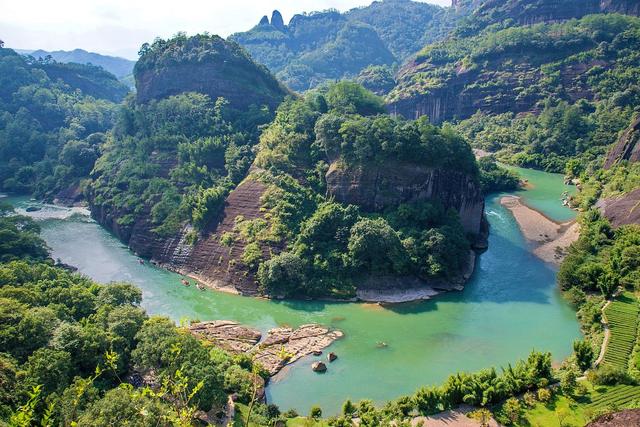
<point>376,187</point>
<point>627,147</point>
<point>621,210</point>
<point>508,70</point>
<point>209,260</point>
<point>208,65</point>
<point>529,12</point>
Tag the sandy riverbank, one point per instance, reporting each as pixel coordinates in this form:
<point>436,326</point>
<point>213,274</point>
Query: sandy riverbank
<point>550,238</point>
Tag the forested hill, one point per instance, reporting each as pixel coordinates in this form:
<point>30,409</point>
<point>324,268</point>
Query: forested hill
<point>174,180</point>
<point>208,65</point>
<point>496,62</point>
<point>330,45</point>
<point>119,67</point>
<point>52,121</point>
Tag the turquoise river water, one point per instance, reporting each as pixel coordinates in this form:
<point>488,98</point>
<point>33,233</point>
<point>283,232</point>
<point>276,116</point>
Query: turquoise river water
<point>509,307</point>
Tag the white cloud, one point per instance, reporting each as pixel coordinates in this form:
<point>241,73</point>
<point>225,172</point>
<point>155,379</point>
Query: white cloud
<point>119,27</point>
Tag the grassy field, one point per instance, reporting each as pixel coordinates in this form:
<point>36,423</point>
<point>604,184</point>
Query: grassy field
<point>622,317</point>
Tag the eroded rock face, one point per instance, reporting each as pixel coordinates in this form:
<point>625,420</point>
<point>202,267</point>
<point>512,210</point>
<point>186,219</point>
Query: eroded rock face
<point>627,147</point>
<point>621,210</point>
<point>212,66</point>
<point>281,346</point>
<point>499,87</point>
<point>376,187</point>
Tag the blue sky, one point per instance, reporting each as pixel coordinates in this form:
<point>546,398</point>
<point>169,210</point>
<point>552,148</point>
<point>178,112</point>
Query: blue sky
<point>119,27</point>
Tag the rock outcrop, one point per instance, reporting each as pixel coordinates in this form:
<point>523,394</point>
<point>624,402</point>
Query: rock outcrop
<point>231,336</point>
<point>208,65</point>
<point>209,260</point>
<point>627,147</point>
<point>281,346</point>
<point>626,418</point>
<point>449,80</point>
<point>621,210</point>
<point>376,187</point>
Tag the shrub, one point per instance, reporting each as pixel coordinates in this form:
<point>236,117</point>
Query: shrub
<point>608,375</point>
<point>316,412</point>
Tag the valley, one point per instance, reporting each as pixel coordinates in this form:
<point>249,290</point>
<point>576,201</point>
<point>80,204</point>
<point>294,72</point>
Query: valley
<point>503,312</point>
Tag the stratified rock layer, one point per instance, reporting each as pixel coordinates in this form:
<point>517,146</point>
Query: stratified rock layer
<point>208,65</point>
<point>376,187</point>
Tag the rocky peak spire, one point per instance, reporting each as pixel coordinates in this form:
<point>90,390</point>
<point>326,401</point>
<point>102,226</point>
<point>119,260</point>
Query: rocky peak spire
<point>277,21</point>
<point>264,20</point>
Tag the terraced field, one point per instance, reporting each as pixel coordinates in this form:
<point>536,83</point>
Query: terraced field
<point>615,397</point>
<point>622,317</point>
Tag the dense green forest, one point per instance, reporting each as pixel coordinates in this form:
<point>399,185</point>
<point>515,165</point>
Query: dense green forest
<point>330,45</point>
<point>329,244</point>
<point>50,130</point>
<point>70,349</point>
<point>576,81</point>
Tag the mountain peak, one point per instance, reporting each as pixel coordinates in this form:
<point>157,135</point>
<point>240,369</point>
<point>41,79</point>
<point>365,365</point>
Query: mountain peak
<point>276,20</point>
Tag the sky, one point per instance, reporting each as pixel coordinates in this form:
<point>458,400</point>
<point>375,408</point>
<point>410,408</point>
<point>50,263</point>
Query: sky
<point>119,27</point>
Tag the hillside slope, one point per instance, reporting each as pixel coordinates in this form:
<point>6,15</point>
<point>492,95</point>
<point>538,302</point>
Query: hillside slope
<point>207,65</point>
<point>331,45</point>
<point>119,67</point>
<point>513,69</point>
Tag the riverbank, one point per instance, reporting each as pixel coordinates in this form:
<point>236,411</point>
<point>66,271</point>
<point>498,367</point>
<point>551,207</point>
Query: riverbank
<point>549,238</point>
<point>496,319</point>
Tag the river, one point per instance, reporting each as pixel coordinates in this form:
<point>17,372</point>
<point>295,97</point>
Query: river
<point>510,307</point>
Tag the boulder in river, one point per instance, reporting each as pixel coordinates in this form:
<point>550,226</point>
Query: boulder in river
<point>332,356</point>
<point>283,346</point>
<point>319,367</point>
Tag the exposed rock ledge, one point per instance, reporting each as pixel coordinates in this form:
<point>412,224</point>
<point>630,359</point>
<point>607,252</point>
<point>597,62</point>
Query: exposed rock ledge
<point>390,290</point>
<point>281,346</point>
<point>550,238</point>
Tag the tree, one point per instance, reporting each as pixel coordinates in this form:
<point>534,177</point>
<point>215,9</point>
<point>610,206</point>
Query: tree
<point>374,247</point>
<point>348,408</point>
<point>283,274</point>
<point>584,354</point>
<point>544,395</point>
<point>512,409</point>
<point>50,368</point>
<point>427,400</point>
<point>608,283</point>
<point>315,413</point>
<point>568,382</point>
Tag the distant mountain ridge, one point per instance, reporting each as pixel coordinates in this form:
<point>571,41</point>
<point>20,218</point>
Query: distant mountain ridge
<point>119,67</point>
<point>329,45</point>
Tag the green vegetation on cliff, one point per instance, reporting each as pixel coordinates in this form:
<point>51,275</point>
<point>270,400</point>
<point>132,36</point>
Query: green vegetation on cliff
<point>329,245</point>
<point>330,45</point>
<point>575,84</point>
<point>50,129</point>
<point>171,161</point>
